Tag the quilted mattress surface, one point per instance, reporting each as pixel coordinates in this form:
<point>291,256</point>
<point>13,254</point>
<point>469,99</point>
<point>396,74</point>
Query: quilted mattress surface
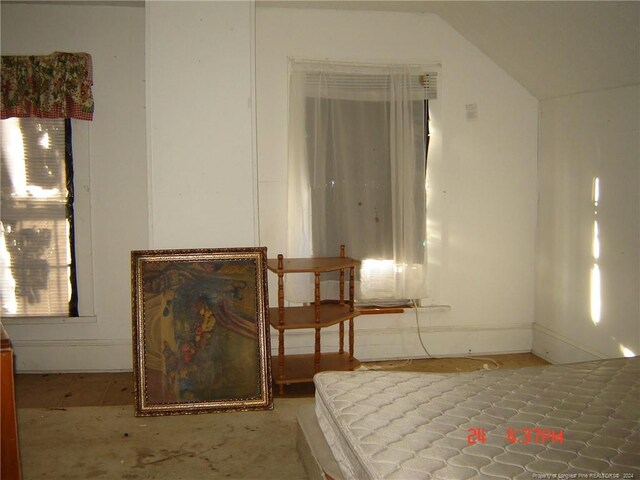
<point>558,421</point>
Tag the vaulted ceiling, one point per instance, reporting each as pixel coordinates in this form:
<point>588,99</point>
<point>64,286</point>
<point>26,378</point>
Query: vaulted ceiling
<point>553,48</point>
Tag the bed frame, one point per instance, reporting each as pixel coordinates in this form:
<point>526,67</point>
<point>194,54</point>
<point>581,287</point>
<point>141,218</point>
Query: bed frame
<point>313,449</point>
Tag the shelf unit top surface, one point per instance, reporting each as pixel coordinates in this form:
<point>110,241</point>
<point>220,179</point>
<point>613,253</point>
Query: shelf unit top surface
<point>305,316</point>
<point>313,264</point>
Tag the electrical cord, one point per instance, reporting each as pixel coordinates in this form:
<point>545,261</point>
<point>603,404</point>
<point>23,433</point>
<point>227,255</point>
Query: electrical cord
<point>415,309</point>
<point>408,362</point>
<point>481,359</point>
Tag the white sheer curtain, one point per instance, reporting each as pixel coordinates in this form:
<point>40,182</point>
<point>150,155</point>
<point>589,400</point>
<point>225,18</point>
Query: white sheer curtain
<point>357,164</point>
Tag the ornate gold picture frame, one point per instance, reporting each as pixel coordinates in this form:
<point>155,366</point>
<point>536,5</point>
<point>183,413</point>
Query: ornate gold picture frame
<point>200,331</point>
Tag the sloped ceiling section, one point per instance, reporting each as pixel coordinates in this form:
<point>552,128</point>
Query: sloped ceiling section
<point>552,48</point>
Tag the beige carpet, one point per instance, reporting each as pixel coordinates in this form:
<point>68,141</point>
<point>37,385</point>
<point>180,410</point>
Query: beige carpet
<point>67,441</point>
<point>459,364</point>
<point>109,442</point>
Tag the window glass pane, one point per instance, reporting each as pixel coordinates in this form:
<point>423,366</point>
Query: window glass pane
<point>35,253</point>
<point>351,188</point>
<point>357,174</point>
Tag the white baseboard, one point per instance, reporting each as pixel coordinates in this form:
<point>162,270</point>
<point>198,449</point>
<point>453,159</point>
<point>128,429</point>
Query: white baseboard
<point>66,356</point>
<point>394,343</point>
<point>557,348</point>
<point>38,356</point>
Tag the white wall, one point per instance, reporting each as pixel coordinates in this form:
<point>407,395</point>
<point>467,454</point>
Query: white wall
<point>195,184</point>
<point>115,146</point>
<point>583,137</point>
<point>199,118</point>
<point>482,210</point>
<point>186,181</point>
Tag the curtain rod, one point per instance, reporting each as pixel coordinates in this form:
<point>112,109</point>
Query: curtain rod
<point>366,64</point>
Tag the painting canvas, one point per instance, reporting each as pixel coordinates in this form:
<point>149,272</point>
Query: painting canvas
<point>200,328</point>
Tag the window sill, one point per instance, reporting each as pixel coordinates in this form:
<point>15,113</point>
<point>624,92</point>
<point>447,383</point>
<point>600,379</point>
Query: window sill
<point>394,309</point>
<point>381,310</point>
<point>371,310</point>
<point>47,320</point>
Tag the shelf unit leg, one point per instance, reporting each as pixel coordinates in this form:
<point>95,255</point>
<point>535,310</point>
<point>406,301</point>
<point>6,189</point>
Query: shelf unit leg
<point>317,314</point>
<point>351,308</point>
<point>351,339</point>
<point>352,278</point>
<point>280,289</point>
<point>281,322</point>
<point>342,277</point>
<point>316,359</point>
<point>280,354</point>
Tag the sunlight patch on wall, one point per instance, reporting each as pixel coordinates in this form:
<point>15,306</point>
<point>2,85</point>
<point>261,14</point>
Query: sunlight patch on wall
<point>596,281</point>
<point>626,352</point>
<point>596,241</point>
<point>596,302</point>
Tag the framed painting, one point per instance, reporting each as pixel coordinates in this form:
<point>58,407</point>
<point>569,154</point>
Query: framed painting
<point>200,331</point>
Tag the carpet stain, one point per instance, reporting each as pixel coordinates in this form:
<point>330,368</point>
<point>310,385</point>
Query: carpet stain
<point>213,446</point>
<point>142,454</point>
<point>146,457</point>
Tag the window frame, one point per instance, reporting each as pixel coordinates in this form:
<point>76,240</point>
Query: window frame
<point>428,79</point>
<point>81,142</point>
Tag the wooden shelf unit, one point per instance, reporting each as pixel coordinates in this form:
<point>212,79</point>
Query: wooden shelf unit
<point>320,314</point>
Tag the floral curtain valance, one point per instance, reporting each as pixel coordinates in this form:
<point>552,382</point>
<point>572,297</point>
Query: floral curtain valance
<point>49,86</point>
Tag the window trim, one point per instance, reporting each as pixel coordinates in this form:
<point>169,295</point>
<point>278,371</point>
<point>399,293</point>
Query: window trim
<point>48,320</point>
<point>81,142</point>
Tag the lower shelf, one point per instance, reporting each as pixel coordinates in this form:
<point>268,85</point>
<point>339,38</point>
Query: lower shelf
<point>301,368</point>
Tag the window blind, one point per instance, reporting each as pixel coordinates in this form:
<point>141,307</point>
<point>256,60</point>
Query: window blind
<point>36,252</point>
<point>373,83</point>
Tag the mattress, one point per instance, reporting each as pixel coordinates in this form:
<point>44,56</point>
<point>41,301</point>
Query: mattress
<point>557,421</point>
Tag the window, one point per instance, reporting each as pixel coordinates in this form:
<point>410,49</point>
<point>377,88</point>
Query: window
<point>357,172</point>
<point>37,265</point>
